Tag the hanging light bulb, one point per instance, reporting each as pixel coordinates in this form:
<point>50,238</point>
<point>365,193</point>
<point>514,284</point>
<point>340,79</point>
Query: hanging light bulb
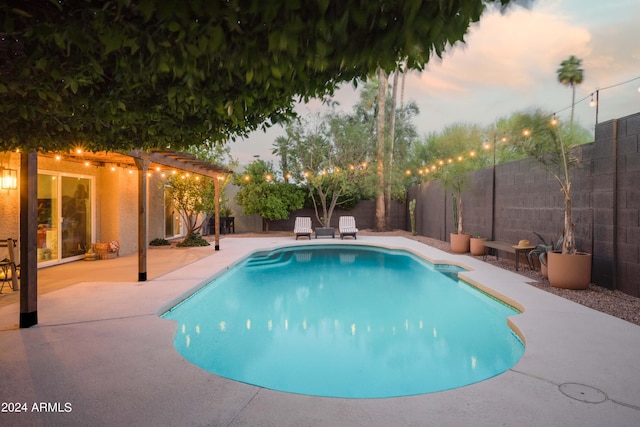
<point>592,103</point>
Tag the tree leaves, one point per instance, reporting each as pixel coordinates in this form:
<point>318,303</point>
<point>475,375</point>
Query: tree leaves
<point>187,71</point>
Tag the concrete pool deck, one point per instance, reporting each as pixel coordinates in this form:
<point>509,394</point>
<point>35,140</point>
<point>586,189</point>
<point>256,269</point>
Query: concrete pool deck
<point>102,356</point>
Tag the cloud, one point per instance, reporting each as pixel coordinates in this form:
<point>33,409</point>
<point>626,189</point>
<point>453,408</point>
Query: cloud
<point>509,64</point>
<point>511,50</point>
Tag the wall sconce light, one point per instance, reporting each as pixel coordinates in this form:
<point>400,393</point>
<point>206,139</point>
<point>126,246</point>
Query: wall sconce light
<point>9,179</point>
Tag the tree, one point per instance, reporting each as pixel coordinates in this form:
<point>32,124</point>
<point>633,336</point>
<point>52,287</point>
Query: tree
<point>455,180</point>
<point>282,150</point>
<point>327,157</point>
<point>218,154</point>
<point>570,74</point>
<point>453,145</point>
<point>380,157</point>
<point>549,142</point>
<point>260,193</point>
<point>392,136</point>
<point>117,74</point>
<point>191,196</point>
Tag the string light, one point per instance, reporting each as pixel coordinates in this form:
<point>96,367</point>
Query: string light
<point>592,101</point>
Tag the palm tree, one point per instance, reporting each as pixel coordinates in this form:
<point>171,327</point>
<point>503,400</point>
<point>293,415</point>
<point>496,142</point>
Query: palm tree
<point>281,148</point>
<point>570,74</point>
<point>382,99</point>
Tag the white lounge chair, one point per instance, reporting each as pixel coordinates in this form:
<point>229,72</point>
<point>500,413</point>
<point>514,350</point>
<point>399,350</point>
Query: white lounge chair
<point>347,226</point>
<point>303,227</point>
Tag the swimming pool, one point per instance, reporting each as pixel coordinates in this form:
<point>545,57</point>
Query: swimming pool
<point>345,321</point>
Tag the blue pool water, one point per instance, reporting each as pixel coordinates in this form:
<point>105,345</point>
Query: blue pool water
<point>345,321</point>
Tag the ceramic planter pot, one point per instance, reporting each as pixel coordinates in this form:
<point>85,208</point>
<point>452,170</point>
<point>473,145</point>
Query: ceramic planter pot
<point>569,271</point>
<point>544,271</point>
<point>476,246</point>
<point>460,243</point>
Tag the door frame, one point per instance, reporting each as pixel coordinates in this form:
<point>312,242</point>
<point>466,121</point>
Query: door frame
<point>93,216</point>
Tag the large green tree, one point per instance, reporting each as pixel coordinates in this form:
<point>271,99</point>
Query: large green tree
<point>328,156</point>
<point>263,194</point>
<point>119,74</point>
<point>570,74</point>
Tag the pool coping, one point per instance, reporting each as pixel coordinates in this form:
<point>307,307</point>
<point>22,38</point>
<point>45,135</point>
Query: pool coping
<point>101,347</point>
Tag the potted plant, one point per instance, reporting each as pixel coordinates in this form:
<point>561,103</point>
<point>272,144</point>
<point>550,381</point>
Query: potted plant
<point>540,252</point>
<point>456,181</point>
<point>551,145</point>
<point>476,245</point>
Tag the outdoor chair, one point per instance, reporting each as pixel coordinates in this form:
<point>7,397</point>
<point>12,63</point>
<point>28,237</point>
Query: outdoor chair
<point>303,227</point>
<point>347,227</point>
<point>9,270</point>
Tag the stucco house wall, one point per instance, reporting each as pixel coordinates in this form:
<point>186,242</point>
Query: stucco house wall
<point>115,193</point>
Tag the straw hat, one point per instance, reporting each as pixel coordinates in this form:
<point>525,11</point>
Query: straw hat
<point>522,244</point>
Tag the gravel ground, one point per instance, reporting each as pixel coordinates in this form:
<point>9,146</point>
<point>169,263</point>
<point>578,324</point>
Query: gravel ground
<point>615,303</point>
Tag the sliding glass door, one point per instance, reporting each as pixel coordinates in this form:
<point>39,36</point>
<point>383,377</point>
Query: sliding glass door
<point>65,217</point>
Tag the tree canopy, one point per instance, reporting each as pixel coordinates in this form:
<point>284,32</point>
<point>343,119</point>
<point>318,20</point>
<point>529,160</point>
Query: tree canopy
<point>118,74</point>
<point>263,194</point>
<point>570,74</point>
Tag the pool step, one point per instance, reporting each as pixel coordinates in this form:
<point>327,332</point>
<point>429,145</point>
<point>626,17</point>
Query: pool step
<point>450,271</point>
<point>271,259</point>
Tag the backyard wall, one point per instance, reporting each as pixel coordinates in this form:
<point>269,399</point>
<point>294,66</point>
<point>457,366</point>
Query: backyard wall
<point>605,194</point>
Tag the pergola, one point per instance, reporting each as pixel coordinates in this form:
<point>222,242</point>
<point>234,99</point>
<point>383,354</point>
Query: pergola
<point>143,161</point>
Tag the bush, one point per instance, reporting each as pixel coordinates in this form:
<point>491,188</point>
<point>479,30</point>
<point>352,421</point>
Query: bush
<point>193,239</point>
<point>159,242</point>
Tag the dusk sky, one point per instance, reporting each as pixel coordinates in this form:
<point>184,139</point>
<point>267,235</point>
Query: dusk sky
<point>509,64</point>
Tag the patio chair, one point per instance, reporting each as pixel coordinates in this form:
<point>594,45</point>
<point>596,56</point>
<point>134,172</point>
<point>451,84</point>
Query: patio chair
<point>347,227</point>
<point>9,270</point>
<point>303,227</point>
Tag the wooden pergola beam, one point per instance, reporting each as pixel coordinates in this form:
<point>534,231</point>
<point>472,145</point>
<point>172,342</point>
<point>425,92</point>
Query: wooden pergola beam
<point>143,160</point>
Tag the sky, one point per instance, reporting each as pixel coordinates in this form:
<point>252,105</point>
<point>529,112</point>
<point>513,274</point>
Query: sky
<point>509,63</point>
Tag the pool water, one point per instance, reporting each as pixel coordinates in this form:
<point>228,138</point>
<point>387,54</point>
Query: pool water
<point>345,321</point>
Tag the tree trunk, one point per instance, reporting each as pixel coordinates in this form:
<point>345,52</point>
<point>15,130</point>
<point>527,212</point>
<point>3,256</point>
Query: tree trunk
<point>460,227</point>
<point>382,91</point>
<point>392,131</point>
<point>573,105</point>
<point>568,241</point>
<point>404,77</point>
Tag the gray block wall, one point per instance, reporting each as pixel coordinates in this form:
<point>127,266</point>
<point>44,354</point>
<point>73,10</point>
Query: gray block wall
<point>527,198</point>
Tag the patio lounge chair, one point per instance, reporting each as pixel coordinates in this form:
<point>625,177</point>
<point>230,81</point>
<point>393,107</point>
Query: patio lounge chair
<point>303,227</point>
<point>347,226</point>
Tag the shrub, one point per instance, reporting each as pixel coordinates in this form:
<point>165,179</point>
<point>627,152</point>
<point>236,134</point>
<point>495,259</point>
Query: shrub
<point>193,239</point>
<point>159,242</point>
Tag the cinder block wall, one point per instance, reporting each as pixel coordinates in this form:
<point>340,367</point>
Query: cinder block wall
<point>605,195</point>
